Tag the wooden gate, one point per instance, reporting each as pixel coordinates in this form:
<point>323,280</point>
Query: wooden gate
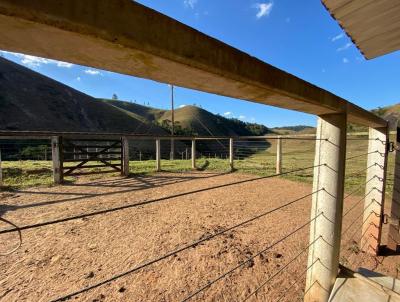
<point>92,154</point>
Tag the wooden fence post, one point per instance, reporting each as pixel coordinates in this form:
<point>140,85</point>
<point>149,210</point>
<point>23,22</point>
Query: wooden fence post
<point>158,155</point>
<point>125,156</point>
<point>193,154</point>
<point>393,240</point>
<point>279,155</point>
<point>327,207</point>
<point>231,154</point>
<point>57,158</point>
<point>375,190</point>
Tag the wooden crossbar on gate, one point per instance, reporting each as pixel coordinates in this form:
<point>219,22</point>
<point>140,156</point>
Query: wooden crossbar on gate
<point>83,151</point>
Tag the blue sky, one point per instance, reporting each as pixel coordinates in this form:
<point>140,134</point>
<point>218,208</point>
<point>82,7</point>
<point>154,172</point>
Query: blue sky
<point>297,36</point>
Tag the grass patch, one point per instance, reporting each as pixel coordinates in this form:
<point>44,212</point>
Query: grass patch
<point>296,155</point>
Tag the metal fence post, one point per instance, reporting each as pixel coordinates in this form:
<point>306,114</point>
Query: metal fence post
<point>57,158</point>
<point>231,153</point>
<point>279,155</point>
<point>375,190</point>
<point>327,206</point>
<point>125,157</point>
<point>193,154</point>
<point>158,155</point>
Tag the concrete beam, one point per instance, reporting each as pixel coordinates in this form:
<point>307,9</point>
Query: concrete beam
<point>129,38</point>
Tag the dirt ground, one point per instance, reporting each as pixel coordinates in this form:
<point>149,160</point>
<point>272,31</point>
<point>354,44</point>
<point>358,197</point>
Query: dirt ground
<point>58,259</point>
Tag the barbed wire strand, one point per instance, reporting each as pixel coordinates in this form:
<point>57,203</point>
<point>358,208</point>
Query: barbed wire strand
<point>241,264</point>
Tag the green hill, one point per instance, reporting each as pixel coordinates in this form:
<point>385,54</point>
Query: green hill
<point>192,120</point>
<point>31,101</point>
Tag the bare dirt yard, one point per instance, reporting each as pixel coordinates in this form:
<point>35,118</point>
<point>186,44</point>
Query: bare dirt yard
<point>172,210</point>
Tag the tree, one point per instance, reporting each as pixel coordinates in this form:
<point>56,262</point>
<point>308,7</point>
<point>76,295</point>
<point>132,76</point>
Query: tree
<point>114,96</point>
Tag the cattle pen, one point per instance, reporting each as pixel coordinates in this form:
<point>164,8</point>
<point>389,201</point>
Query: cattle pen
<point>224,228</point>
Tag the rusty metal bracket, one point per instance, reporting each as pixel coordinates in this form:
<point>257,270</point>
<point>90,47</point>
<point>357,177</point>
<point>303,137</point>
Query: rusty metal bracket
<point>391,147</point>
<point>390,220</point>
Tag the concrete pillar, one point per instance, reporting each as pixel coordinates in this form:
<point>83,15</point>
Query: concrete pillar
<point>125,156</point>
<point>193,154</point>
<point>279,155</point>
<point>374,190</point>
<point>231,154</point>
<point>393,240</point>
<point>57,157</point>
<point>327,206</point>
<point>158,155</point>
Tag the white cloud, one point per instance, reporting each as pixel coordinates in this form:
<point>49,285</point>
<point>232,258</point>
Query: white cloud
<point>64,64</point>
<point>190,3</point>
<point>344,47</point>
<point>78,79</point>
<point>253,119</point>
<point>33,61</point>
<point>338,37</point>
<point>228,113</point>
<point>92,72</point>
<point>345,60</point>
<point>264,9</point>
<point>181,106</point>
<point>242,117</point>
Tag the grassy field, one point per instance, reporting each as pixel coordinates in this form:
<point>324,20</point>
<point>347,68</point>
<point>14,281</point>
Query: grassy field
<point>297,154</point>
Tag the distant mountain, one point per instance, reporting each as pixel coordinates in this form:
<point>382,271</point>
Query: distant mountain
<point>389,113</point>
<point>301,129</point>
<point>192,120</point>
<point>31,101</point>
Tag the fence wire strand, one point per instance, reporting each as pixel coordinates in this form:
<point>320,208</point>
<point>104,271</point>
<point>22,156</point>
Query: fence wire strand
<point>280,270</point>
<point>181,249</point>
<point>297,280</point>
<point>66,219</point>
<point>241,264</point>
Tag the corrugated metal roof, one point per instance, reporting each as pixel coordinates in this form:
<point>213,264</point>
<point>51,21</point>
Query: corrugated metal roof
<point>373,25</point>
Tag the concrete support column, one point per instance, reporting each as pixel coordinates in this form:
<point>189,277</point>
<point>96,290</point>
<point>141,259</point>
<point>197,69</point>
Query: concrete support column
<point>231,154</point>
<point>327,207</point>
<point>158,155</point>
<point>279,155</point>
<point>374,190</point>
<point>393,240</point>
<point>193,154</point>
<point>57,157</point>
<point>125,156</point>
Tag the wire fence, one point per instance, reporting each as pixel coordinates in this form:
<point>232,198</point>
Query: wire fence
<point>248,154</point>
